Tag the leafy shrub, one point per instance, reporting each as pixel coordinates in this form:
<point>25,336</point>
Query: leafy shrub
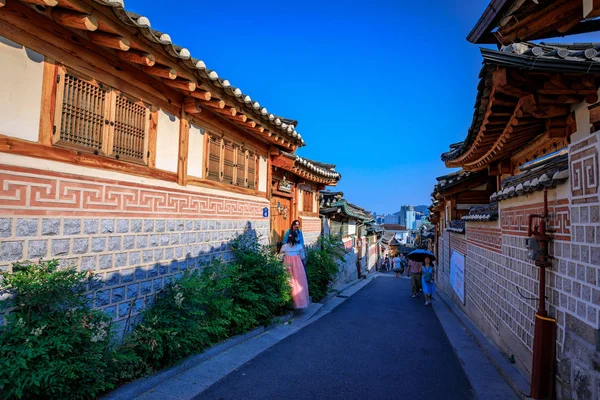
<point>259,283</point>
<point>203,308</point>
<point>187,316</point>
<point>322,265</point>
<point>52,344</point>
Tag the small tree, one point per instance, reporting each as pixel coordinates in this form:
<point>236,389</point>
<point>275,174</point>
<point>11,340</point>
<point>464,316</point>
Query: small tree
<point>52,344</point>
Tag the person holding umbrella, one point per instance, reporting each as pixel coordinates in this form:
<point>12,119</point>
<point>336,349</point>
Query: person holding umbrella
<point>426,272</point>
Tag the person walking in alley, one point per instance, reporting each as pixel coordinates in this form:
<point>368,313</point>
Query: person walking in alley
<point>397,265</point>
<point>427,280</point>
<point>414,272</point>
<point>293,256</point>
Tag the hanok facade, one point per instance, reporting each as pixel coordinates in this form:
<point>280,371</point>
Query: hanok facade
<point>295,186</point>
<point>535,132</point>
<point>354,226</point>
<point>123,154</point>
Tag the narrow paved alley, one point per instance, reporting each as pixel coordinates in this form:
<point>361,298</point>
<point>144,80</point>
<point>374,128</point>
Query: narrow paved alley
<point>379,344</point>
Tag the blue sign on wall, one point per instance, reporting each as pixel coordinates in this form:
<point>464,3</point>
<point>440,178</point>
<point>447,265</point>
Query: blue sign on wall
<point>266,212</point>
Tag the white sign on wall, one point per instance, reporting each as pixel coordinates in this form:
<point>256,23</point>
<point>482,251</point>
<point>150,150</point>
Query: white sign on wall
<point>457,274</point>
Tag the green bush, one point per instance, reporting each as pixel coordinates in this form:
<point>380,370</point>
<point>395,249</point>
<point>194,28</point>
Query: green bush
<point>203,308</point>
<point>52,344</point>
<point>186,316</point>
<point>260,283</point>
<point>322,265</point>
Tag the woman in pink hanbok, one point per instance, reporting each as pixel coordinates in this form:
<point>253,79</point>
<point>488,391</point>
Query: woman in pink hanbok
<point>293,255</point>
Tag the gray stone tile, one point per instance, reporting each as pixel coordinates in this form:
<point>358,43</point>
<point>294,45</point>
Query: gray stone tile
<point>27,227</point>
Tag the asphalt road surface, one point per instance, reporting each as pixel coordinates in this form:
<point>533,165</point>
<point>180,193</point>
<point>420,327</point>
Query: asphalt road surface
<point>379,344</point>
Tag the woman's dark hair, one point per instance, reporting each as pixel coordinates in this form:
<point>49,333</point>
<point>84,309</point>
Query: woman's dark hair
<point>294,223</point>
<point>292,238</point>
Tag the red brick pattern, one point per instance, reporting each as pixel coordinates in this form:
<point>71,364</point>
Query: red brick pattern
<point>458,242</point>
<point>487,238</point>
<point>583,159</point>
<point>513,220</point>
<point>311,225</point>
<point>26,191</point>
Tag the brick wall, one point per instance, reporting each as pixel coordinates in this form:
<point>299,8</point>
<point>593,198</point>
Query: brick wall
<point>311,229</point>
<point>134,236</point>
<point>501,283</point>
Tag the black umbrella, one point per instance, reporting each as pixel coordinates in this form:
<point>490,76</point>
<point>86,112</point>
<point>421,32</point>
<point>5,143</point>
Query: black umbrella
<point>420,254</point>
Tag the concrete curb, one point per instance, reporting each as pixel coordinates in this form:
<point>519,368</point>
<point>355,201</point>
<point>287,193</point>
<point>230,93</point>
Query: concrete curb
<point>142,385</point>
<point>508,371</point>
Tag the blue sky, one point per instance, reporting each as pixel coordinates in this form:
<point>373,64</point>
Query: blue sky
<point>379,88</point>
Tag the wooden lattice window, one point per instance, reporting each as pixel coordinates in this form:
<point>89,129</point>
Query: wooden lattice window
<point>241,166</point>
<point>228,162</point>
<point>307,201</point>
<point>131,125</point>
<point>93,117</point>
<point>213,169</point>
<point>252,167</point>
<point>81,113</point>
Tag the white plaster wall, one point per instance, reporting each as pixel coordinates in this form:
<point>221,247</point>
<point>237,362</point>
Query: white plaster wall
<point>167,142</point>
<point>196,152</point>
<point>582,117</point>
<point>351,228</point>
<point>21,72</point>
<point>262,174</point>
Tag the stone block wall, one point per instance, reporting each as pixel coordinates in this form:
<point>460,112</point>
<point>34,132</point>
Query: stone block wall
<point>311,229</point>
<point>135,237</point>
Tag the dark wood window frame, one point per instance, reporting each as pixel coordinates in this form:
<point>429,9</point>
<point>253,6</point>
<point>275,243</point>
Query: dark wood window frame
<point>96,118</point>
<point>230,162</point>
<point>307,201</point>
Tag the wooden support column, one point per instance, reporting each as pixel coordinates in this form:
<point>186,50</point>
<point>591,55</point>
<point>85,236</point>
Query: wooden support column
<point>48,108</point>
<point>152,136</point>
<point>184,142</point>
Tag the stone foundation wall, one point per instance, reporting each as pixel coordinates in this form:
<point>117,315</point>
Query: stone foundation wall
<point>135,237</point>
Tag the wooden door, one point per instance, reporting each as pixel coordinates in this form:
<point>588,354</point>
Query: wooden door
<point>281,217</point>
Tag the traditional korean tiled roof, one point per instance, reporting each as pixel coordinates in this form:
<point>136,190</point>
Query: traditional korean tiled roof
<point>456,226</point>
<point>349,210</point>
<point>543,173</point>
<point>181,56</point>
<point>388,237</point>
<point>554,57</point>
<point>513,21</point>
<point>318,168</point>
<point>506,115</point>
<point>445,182</point>
<point>488,212</point>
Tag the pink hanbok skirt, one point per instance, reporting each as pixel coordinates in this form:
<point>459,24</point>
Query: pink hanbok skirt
<point>298,281</point>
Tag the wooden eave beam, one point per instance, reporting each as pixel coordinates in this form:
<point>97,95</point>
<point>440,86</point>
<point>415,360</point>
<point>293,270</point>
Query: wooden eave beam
<point>36,31</point>
<point>501,140</point>
<point>525,28</point>
<point>180,84</point>
<point>75,20</point>
<point>45,3</point>
<point>109,40</point>
<point>137,57</point>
